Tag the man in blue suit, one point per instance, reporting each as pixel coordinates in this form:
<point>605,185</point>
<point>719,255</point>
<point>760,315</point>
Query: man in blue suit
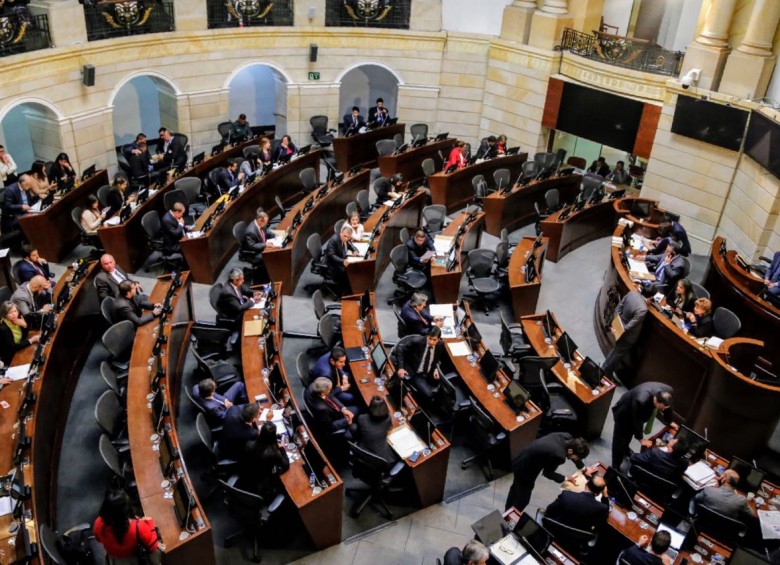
<point>772,278</point>
<point>414,316</point>
<point>32,264</point>
<point>217,405</point>
<point>18,200</point>
<point>333,366</point>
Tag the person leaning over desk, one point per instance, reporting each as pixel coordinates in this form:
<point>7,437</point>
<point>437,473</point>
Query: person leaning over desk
<point>417,320</point>
<point>634,415</point>
<point>261,463</point>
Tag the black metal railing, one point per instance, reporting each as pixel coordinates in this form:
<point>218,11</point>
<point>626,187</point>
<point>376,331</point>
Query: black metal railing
<point>240,13</point>
<point>128,17</point>
<point>623,52</point>
<point>368,13</point>
<point>21,32</point>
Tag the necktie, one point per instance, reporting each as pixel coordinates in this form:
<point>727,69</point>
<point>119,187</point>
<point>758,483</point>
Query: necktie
<point>660,274</point>
<point>332,404</point>
<point>649,425</point>
<point>24,197</point>
<point>240,296</point>
<point>425,362</point>
<point>262,234</point>
<point>354,121</point>
<point>118,277</point>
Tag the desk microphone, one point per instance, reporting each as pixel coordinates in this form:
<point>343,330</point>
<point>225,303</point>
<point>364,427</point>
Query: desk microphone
<point>625,490</point>
<point>705,435</point>
<point>430,441</point>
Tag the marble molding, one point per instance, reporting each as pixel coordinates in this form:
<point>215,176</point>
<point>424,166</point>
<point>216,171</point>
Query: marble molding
<point>619,80</point>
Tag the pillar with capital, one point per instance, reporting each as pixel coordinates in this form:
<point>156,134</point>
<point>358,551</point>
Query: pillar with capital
<point>67,25</point>
<point>548,24</point>
<point>516,23</point>
<point>711,48</point>
<point>749,67</point>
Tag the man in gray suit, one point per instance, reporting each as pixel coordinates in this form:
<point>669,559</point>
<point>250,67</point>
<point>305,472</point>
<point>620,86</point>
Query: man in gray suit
<point>634,414</point>
<point>32,299</point>
<point>724,499</point>
<point>255,240</point>
<point>631,310</point>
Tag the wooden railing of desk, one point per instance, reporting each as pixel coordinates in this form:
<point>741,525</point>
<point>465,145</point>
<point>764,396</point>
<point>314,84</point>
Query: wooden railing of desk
<point>52,232</point>
<point>206,255</point>
<point>732,287</point>
<point>364,275</point>
<point>409,163</point>
<point>520,428</point>
<point>198,546</point>
<point>429,471</point>
<point>526,294</point>
<point>66,352</point>
<point>516,209</point>
<point>455,190</point>
<point>286,264</point>
<point>128,242</point>
<point>594,221</point>
<point>446,284</point>
<point>360,149</point>
<point>592,405</point>
<point>647,226</point>
<point>321,513</point>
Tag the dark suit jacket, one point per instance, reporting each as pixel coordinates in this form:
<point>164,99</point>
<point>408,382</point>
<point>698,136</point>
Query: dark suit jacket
<point>408,354</point>
<point>335,254</point>
<point>27,270</point>
<point>7,345</point>
<point>139,164</point>
<point>661,463</point>
<point>326,417</point>
<point>348,123</point>
<point>543,455</point>
<point>672,272</point>
<point>215,405</point>
<point>416,322</point>
<point>106,285</point>
<point>229,307</point>
<point>12,206</point>
<point>116,201</point>
<point>323,368</point>
<point>372,114</point>
<point>281,152</point>
<point>417,251</point>
<point>373,436</point>
<point>236,433</point>
<point>635,407</point>
<point>255,238</point>
<point>703,328</point>
<point>635,555</point>
<point>603,170</point>
<point>175,156</point>
<point>125,309</point>
<point>225,179</point>
<point>486,151</point>
<point>172,232</point>
<point>579,510</point>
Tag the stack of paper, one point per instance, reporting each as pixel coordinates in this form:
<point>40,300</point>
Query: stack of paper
<point>700,475</point>
<point>276,242</point>
<point>442,244</point>
<point>18,372</point>
<point>404,441</point>
<point>625,222</point>
<point>446,313</point>
<point>277,419</point>
<point>617,241</point>
<point>770,524</point>
<point>713,342</point>
<point>361,247</point>
<point>459,348</point>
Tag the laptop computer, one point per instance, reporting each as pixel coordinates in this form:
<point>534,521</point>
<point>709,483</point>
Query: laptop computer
<point>489,529</point>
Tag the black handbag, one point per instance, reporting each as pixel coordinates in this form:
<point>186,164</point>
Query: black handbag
<point>144,553</point>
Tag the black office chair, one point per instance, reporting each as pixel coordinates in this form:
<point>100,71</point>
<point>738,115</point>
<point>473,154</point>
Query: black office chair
<point>320,132</point>
<point>434,218</point>
<point>112,420</point>
<point>502,262</point>
<point>249,258</point>
<point>15,269</point>
<point>428,167</point>
<point>531,170</point>
<point>553,199</point>
<point>151,224</point>
<point>107,309</point>
<point>558,413</point>
<point>328,331</point>
<point>546,163</point>
<point>214,292</point>
<point>540,217</point>
<point>699,291</point>
<point>727,530</point>
<point>512,340</point>
<point>385,147</point>
<point>302,366</point>
<point>364,204</point>
<point>5,294</point>
<point>171,197</point>
<point>103,192</point>
<point>502,178</point>
<point>480,192</point>
<point>656,487</point>
<point>118,340</point>
<point>219,467</point>
<point>319,264</point>
<point>250,150</point>
<point>308,177</point>
<point>406,278</point>
<point>577,542</point>
<point>725,323</point>
<point>590,184</point>
<point>350,209</point>
<point>481,276</point>
<point>376,472</point>
<point>224,129</point>
<point>221,372</point>
<point>450,402</point>
<point>251,511</point>
<point>120,466</point>
<point>485,437</point>
<point>86,239</point>
<point>115,382</point>
<point>191,186</point>
<point>418,131</point>
<point>54,547</point>
<point>403,331</point>
<point>210,342</point>
<point>403,234</point>
<point>320,308</point>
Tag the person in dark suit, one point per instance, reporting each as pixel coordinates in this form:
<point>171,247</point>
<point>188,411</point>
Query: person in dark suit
<point>337,249</point>
<point>639,554</point>
<point>262,462</point>
<point>352,122</point>
<point>141,170</point>
<point>217,405</point>
<point>699,322</point>
<point>619,174</point>
<point>286,149</point>
<point>127,308</point>
<point>328,413</point>
<point>772,277</point>
<point>174,152</point>
<point>599,167</point>
<point>723,498</point>
<point>33,299</point>
<point>239,427</point>
<point>121,198</point>
<point>418,357</point>
<point>684,298</point>
<point>635,412</point>
<point>13,333</point>
<point>256,238</point>
<point>670,232</point>
<point>386,188</point>
<point>108,279</point>
<point>631,310</point>
<point>379,114</point>
<point>373,428</point>
<point>228,177</point>
<point>487,149</point>
<point>543,456</point>
<point>581,510</point>
<point>414,316</point>
<point>669,464</point>
<point>129,149</point>
<point>333,366</point>
<point>235,298</point>
<point>173,228</point>
<point>418,245</point>
<point>670,270</point>
<point>18,200</point>
<point>32,264</point>
<point>474,553</point>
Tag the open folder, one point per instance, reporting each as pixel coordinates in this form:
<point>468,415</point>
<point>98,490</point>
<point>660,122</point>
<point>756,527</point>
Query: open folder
<point>617,325</point>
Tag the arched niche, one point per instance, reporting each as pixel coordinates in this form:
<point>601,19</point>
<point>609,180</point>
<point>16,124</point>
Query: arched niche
<point>259,90</point>
<point>363,84</point>
<point>30,131</point>
<point>144,104</point>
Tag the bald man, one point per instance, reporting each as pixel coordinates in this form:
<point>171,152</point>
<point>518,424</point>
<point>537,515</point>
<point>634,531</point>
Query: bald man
<point>108,279</point>
<point>18,201</point>
<point>724,498</point>
<point>33,299</point>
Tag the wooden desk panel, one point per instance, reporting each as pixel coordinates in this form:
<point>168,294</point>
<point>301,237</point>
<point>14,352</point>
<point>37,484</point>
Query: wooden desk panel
<point>409,163</point>
<point>208,254</point>
<point>360,149</point>
<point>52,231</point>
<point>583,226</point>
<point>516,209</point>
<point>455,190</point>
<point>446,284</point>
<point>525,295</point>
<point>647,226</point>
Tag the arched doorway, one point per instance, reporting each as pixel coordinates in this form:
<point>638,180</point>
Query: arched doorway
<point>30,131</point>
<point>144,104</point>
<point>363,84</point>
<point>259,90</point>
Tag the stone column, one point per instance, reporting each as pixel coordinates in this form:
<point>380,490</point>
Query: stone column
<point>710,49</point>
<point>555,7</point>
<point>301,10</point>
<point>190,15</point>
<point>749,68</point>
<point>548,24</point>
<point>516,23</point>
<point>67,25</point>
<point>425,15</point>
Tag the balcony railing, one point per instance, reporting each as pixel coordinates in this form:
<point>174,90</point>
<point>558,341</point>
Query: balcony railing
<point>21,32</point>
<point>240,13</point>
<point>128,17</point>
<point>622,52</point>
<point>368,13</point>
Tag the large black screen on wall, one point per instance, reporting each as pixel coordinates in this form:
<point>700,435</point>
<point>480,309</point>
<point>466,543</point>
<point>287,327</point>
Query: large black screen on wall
<point>599,116</point>
<point>709,122</point>
<point>762,142</point>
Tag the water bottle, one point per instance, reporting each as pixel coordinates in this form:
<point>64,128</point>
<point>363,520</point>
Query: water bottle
<point>312,480</point>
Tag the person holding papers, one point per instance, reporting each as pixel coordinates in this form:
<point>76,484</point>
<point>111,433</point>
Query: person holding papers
<point>234,299</point>
<point>388,188</point>
<point>13,332</point>
<point>417,320</point>
<point>337,251</point>
<point>668,463</point>
<point>418,357</point>
<point>724,498</point>
<point>421,251</point>
<point>630,313</point>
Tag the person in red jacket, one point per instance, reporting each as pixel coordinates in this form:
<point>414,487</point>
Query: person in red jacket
<point>121,534</point>
<point>457,156</point>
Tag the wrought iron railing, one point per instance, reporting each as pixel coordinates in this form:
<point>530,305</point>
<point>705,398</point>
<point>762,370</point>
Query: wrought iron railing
<point>368,13</point>
<point>240,13</point>
<point>119,18</point>
<point>21,32</point>
<point>622,52</point>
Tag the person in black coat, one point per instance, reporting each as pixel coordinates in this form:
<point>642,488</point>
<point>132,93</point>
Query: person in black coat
<point>670,270</point>
<point>337,249</point>
<point>286,149</point>
<point>669,464</point>
<point>327,411</point>
<point>173,228</point>
<point>414,316</point>
<point>386,188</point>
<point>238,428</point>
<point>17,201</point>
<point>62,172</point>
<point>487,149</point>
<point>631,413</point>
<point>234,299</point>
<point>228,177</point>
<point>255,240</point>
<point>418,356</point>
<point>262,462</point>
<point>373,428</point>
<point>333,365</point>
<point>543,456</point>
<point>141,170</point>
<point>418,245</point>
<point>9,342</point>
<point>127,308</point>
<point>32,264</point>
<point>599,167</point>
<point>121,197</point>
<point>639,554</point>
<point>684,298</point>
<point>353,121</point>
<point>379,113</point>
<point>581,510</point>
<point>699,322</point>
<point>174,152</point>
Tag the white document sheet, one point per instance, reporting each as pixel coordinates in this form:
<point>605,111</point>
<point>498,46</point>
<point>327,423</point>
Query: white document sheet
<point>459,348</point>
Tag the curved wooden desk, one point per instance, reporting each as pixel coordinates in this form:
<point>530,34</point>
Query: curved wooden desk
<point>286,264</point>
<point>409,163</point>
<point>526,294</point>
<point>593,222</point>
<point>734,288</point>
<point>455,190</point>
<point>624,207</point>
<point>364,275</point>
<point>208,254</point>
<point>180,546</point>
<point>446,283</point>
<point>516,209</point>
<point>360,149</point>
<point>320,513</point>
<point>52,232</point>
<point>429,471</point>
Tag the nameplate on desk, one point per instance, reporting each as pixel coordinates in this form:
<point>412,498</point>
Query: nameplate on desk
<point>254,327</point>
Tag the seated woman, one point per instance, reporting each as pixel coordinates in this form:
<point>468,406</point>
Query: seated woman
<point>373,428</point>
<point>63,173</point>
<point>121,197</point>
<point>92,217</point>
<point>41,187</point>
<point>286,149</point>
<point>13,332</point>
<point>699,322</point>
<point>265,150</point>
<point>121,533</point>
<point>501,144</point>
<point>684,299</point>
<point>357,227</point>
<point>262,463</point>
<point>457,156</point>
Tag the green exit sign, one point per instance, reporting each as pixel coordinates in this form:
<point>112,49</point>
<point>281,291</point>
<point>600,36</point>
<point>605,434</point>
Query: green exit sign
<point>314,76</point>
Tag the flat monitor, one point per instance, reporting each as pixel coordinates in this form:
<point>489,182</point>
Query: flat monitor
<point>742,556</point>
<point>549,325</point>
<point>488,366</point>
<point>513,150</point>
<point>489,529</point>
<point>640,209</point>
<point>314,460</point>
<point>680,529</point>
<point>532,534</point>
<point>422,425</point>
<point>442,136</point>
<point>159,409</point>
<point>365,304</point>
<point>697,444</point>
<point>88,172</point>
<point>620,488</point>
<point>304,150</point>
<point>750,476</point>
<point>297,219</point>
<point>183,503</point>
<point>566,348</point>
<point>678,538</point>
<point>379,358</point>
<point>168,454</point>
<point>516,395</point>
<point>309,204</point>
<point>276,382</point>
<point>198,159</point>
<point>530,270</point>
<point>270,347</point>
<point>473,336</point>
<point>591,372</point>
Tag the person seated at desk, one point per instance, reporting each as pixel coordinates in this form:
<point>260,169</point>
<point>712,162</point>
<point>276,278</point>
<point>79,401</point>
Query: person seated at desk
<point>619,175</point>
<point>333,366</point>
<point>417,320</point>
<point>217,405</point>
<point>18,200</point>
<point>126,307</point>
<point>228,177</point>
<point>337,249</point>
<point>256,239</point>
<point>33,264</point>
<point>173,228</point>
<point>240,130</point>
<point>262,462</point>
<point>122,199</point>
<point>670,270</point>
<point>357,228</point>
<point>92,216</point>
<point>238,428</point>
<point>108,279</point>
<point>634,415</point>
<point>599,167</point>
<point>668,463</point>
<point>13,332</point>
<point>487,149</point>
<point>474,553</point>
<point>373,428</point>
<point>581,510</point>
<point>501,142</point>
<point>234,299</point>
<point>352,122</point>
<point>173,152</point>
<point>421,250</point>
<point>257,160</point>
<point>772,278</point>
<point>42,188</point>
<point>724,498</point>
<point>684,298</point>
<point>122,534</point>
<point>418,357</point>
<point>132,148</point>
<point>668,233</point>
<point>328,413</point>
<point>640,554</point>
<point>543,456</point>
<point>286,149</point>
<point>379,114</point>
<point>699,322</point>
<point>388,188</point>
<point>62,172</point>
<point>457,156</point>
<point>7,167</point>
<point>141,169</point>
<point>33,299</point>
